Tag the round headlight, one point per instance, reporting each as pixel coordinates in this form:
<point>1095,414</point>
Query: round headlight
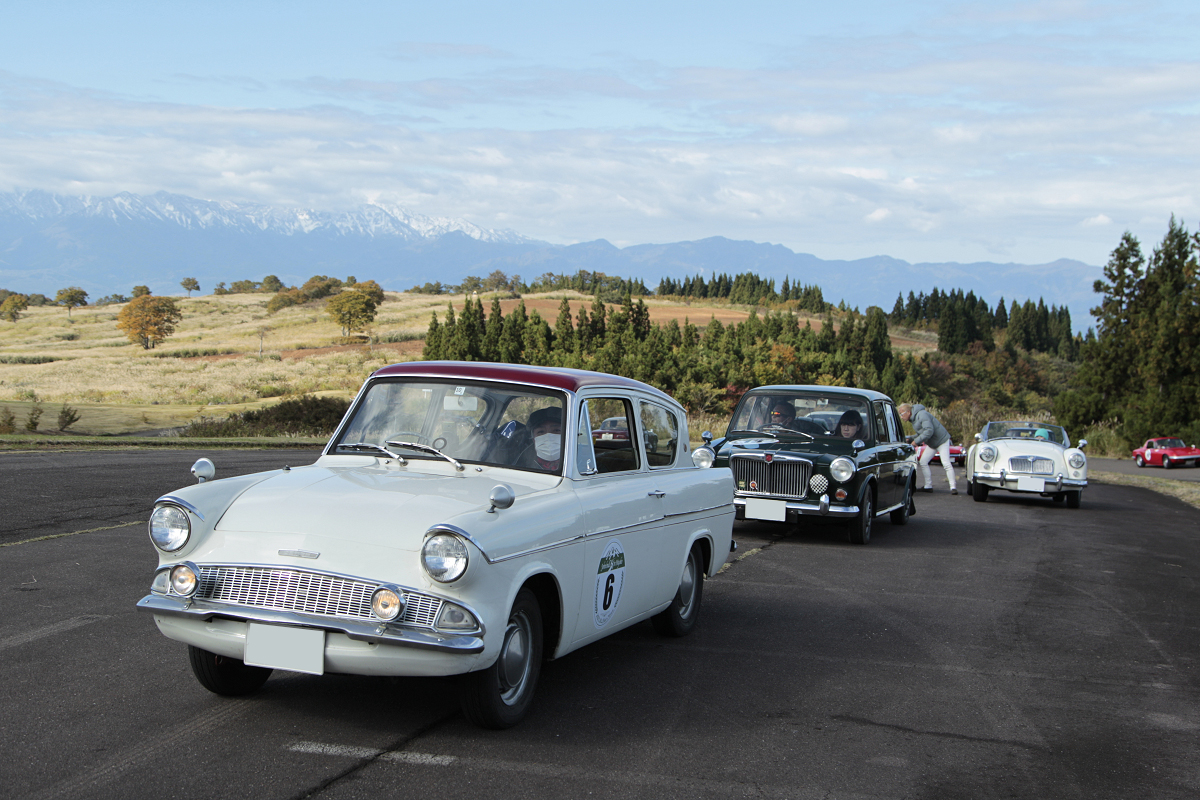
<point>169,528</point>
<point>987,453</point>
<point>703,457</point>
<point>1077,460</point>
<point>183,580</point>
<point>444,557</point>
<point>842,469</point>
<point>386,603</point>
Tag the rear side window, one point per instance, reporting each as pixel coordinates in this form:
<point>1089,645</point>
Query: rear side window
<point>660,431</point>
<point>610,421</point>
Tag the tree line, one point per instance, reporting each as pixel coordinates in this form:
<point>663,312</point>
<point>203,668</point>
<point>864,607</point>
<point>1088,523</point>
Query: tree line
<point>1141,370</point>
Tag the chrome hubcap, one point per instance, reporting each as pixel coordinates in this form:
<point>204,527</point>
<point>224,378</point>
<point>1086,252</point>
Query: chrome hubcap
<point>687,588</point>
<point>514,659</point>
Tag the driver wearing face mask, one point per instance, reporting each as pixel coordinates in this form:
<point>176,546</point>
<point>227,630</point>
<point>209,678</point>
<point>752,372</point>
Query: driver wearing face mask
<point>545,425</point>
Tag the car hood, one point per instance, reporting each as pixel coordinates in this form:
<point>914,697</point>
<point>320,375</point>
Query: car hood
<point>366,504</point>
<point>1028,447</point>
<point>814,448</point>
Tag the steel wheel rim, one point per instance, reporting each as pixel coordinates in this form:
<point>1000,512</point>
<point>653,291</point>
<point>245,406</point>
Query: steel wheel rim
<point>687,588</point>
<point>515,659</point>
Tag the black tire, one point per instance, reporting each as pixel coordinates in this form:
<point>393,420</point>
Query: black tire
<point>499,697</point>
<point>1074,499</point>
<point>680,617</point>
<point>900,515</point>
<point>1058,498</point>
<point>1167,463</point>
<point>980,492</point>
<point>1141,462</point>
<point>860,527</point>
<point>224,675</point>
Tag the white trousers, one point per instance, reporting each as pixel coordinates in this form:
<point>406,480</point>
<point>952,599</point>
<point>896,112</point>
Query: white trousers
<point>943,453</point>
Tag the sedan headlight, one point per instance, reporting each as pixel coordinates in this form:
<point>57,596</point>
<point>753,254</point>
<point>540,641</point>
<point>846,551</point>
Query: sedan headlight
<point>1077,460</point>
<point>842,469</point>
<point>444,557</point>
<point>170,528</point>
<point>988,453</point>
<point>703,457</point>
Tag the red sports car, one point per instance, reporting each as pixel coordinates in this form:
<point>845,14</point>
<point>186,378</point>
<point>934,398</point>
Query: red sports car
<point>1167,452</point>
<point>957,456</point>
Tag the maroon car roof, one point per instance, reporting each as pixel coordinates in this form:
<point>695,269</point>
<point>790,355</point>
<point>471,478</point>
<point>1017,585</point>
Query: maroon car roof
<point>552,377</point>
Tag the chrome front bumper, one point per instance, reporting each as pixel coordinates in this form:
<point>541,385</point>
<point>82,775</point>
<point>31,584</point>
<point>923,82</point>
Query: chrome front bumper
<point>821,508</point>
<point>377,633</point>
<point>1008,481</point>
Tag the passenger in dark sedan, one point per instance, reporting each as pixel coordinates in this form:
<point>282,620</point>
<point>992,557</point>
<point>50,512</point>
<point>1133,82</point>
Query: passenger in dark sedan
<point>850,426</point>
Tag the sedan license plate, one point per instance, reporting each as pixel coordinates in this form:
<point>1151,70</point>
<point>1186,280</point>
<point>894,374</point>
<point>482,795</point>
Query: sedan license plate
<point>768,510</point>
<point>1031,484</point>
<point>291,649</point>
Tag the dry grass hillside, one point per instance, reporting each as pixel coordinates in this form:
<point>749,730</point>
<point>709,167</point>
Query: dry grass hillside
<point>229,354</point>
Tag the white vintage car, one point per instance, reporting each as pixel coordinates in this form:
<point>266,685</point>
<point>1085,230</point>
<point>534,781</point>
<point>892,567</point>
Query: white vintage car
<point>1029,457</point>
<point>463,520</point>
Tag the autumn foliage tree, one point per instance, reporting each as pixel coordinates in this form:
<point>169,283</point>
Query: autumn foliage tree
<point>149,320</point>
<point>71,297</point>
<point>352,309</point>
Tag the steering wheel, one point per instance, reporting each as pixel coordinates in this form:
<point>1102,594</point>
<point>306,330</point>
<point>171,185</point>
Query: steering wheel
<point>398,436</point>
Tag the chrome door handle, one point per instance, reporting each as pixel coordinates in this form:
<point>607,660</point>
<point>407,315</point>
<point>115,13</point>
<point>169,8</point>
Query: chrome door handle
<point>656,493</point>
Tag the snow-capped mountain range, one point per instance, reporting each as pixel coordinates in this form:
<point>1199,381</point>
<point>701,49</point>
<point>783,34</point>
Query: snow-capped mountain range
<point>370,220</point>
<point>107,245</point>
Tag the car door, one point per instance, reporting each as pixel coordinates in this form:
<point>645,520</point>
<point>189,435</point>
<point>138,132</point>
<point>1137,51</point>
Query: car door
<point>621,518</point>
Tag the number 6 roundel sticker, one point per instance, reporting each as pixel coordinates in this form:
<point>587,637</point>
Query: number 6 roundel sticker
<point>610,577</point>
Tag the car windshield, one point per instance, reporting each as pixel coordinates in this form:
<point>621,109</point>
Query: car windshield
<point>1169,443</point>
<point>471,421</point>
<point>804,414</point>
<point>1026,430</point>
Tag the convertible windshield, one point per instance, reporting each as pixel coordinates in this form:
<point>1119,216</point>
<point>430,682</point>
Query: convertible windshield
<point>1167,443</point>
<point>807,415</point>
<point>473,422</point>
<point>1026,430</point>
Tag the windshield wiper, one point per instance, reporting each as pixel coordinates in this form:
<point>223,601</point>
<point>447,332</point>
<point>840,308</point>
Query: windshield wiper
<point>752,433</point>
<point>424,448</point>
<point>790,431</point>
<point>372,447</point>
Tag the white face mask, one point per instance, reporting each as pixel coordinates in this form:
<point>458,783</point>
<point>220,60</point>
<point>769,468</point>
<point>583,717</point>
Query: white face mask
<point>548,446</point>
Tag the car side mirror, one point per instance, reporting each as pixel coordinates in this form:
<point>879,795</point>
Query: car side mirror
<point>858,444</point>
<point>707,437</point>
<point>204,470</point>
<point>979,437</point>
<point>1082,443</point>
<point>502,497</point>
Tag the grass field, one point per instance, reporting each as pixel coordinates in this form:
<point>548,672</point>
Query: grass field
<point>228,354</point>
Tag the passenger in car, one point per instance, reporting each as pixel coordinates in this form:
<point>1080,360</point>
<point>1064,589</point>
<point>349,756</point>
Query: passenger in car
<point>850,426</point>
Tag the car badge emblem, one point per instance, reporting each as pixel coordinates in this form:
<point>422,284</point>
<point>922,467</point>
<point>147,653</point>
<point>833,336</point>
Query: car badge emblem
<point>769,457</point>
<point>754,485</point>
<point>299,553</point>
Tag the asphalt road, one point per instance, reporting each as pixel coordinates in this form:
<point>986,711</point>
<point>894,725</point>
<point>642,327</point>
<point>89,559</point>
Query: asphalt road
<point>1125,466</point>
<point>1009,649</point>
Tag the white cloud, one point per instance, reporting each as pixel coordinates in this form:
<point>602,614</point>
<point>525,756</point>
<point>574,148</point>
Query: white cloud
<point>878,215</point>
<point>1098,220</point>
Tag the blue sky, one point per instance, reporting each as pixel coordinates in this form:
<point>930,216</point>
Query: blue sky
<point>927,131</point>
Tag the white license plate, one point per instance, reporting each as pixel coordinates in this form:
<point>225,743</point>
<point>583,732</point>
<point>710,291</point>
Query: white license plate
<point>291,649</point>
<point>606,436</point>
<point>1031,484</point>
<point>769,510</point>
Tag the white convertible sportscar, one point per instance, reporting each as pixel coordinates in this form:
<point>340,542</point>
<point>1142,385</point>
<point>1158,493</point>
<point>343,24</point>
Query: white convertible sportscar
<point>463,520</point>
<point>1032,457</point>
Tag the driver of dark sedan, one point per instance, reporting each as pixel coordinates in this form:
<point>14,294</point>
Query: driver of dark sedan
<point>782,413</point>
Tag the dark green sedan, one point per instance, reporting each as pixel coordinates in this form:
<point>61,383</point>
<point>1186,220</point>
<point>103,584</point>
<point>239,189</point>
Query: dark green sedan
<point>824,451</point>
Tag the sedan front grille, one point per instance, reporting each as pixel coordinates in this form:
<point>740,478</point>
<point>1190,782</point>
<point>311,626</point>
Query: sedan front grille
<point>779,478</point>
<point>1034,466</point>
<point>306,593</point>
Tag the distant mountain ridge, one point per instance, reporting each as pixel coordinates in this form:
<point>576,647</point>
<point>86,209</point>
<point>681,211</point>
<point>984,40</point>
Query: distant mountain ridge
<point>107,245</point>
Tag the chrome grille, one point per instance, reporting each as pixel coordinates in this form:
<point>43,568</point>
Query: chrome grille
<point>781,478</point>
<point>306,593</point>
<point>1034,466</point>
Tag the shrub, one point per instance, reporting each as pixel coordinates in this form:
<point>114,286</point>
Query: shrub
<point>8,420</point>
<point>67,417</point>
<point>35,416</point>
<point>304,416</point>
